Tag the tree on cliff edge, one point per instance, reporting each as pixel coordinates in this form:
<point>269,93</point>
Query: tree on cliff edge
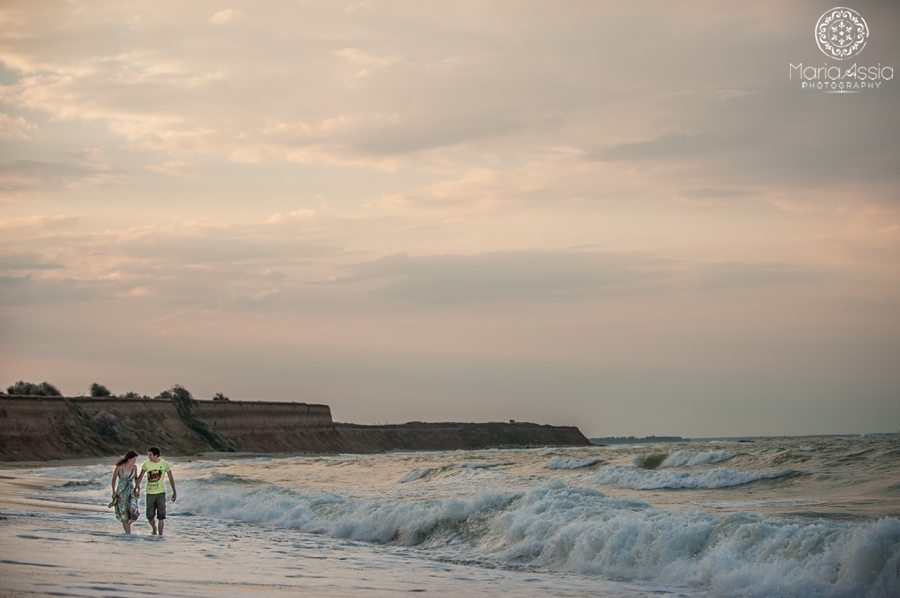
<point>98,390</point>
<point>44,389</point>
<point>180,393</point>
<point>176,393</point>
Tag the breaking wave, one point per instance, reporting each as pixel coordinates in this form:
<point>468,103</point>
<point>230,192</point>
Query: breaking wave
<point>568,528</point>
<point>562,463</point>
<point>640,479</point>
<point>695,458</point>
<point>430,472</point>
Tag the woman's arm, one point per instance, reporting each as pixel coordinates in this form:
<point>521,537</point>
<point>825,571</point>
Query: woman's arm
<point>114,476</point>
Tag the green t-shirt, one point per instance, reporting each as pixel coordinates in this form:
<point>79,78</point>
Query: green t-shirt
<point>155,473</point>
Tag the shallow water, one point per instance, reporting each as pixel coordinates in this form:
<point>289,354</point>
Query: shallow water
<point>795,516</point>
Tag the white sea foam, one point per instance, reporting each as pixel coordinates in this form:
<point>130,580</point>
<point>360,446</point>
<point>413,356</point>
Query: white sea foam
<point>641,479</point>
<point>739,554</point>
<point>563,463</point>
<point>561,527</point>
<point>695,458</point>
<point>402,522</point>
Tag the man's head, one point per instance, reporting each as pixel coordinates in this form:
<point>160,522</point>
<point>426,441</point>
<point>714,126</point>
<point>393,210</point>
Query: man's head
<point>153,453</point>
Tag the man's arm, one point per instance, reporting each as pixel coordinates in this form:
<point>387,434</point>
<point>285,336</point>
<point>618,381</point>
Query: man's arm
<point>172,483</point>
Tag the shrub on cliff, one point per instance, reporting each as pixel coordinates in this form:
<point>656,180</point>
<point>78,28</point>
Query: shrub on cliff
<point>220,397</point>
<point>44,389</point>
<point>186,405</point>
<point>108,425</point>
<point>180,393</point>
<point>98,390</point>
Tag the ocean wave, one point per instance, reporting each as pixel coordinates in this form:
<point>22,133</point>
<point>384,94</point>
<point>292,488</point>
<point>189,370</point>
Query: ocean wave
<point>228,478</point>
<point>403,522</point>
<point>479,465</point>
<point>695,458</point>
<point>80,484</point>
<point>581,530</point>
<point>562,463</point>
<point>639,479</point>
<point>430,472</point>
<point>649,461</point>
<point>88,472</point>
<point>738,554</point>
<point>420,473</point>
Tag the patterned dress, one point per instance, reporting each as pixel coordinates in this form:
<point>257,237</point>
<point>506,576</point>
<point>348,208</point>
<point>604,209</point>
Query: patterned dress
<point>126,503</point>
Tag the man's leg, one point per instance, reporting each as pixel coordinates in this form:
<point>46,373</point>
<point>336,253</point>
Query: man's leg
<point>151,511</point>
<point>161,512</point>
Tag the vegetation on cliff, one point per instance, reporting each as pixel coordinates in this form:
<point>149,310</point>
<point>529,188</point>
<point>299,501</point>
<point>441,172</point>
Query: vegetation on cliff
<point>186,404</point>
<point>98,390</point>
<point>44,389</point>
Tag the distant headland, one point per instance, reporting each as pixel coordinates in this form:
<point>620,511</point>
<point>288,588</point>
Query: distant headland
<point>635,439</point>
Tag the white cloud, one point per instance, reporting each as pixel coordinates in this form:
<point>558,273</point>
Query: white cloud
<point>366,59</point>
<point>300,215</point>
<point>173,168</point>
<point>225,17</point>
<point>16,127</point>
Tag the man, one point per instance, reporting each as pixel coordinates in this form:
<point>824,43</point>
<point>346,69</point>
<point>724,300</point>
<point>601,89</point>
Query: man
<point>156,490</point>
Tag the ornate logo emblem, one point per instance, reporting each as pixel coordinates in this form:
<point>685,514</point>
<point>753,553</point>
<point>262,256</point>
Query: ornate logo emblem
<point>841,33</point>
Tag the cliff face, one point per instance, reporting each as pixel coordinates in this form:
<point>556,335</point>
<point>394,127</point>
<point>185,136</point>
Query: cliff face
<point>454,436</point>
<point>272,427</point>
<point>37,428</point>
<point>57,428</point>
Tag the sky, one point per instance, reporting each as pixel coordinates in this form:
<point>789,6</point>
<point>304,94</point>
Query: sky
<point>625,216</point>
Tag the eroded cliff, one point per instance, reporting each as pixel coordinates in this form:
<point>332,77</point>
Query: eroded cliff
<point>40,428</point>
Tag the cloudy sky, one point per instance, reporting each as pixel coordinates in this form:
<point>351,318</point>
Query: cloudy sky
<point>619,215</point>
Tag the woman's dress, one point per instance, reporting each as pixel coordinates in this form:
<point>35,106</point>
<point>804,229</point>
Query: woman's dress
<point>126,502</point>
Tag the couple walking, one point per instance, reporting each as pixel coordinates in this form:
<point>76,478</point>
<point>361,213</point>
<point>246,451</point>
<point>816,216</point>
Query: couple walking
<point>126,488</point>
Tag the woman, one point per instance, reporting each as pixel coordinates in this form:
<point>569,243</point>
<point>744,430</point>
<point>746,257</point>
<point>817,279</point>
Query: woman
<point>123,493</point>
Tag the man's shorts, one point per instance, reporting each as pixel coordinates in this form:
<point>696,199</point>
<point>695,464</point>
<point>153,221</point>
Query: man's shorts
<point>156,506</point>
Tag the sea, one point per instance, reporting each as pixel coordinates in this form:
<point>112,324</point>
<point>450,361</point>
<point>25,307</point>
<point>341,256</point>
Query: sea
<point>800,516</point>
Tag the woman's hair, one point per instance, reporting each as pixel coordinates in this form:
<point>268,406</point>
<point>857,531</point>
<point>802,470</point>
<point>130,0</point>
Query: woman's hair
<point>128,455</point>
